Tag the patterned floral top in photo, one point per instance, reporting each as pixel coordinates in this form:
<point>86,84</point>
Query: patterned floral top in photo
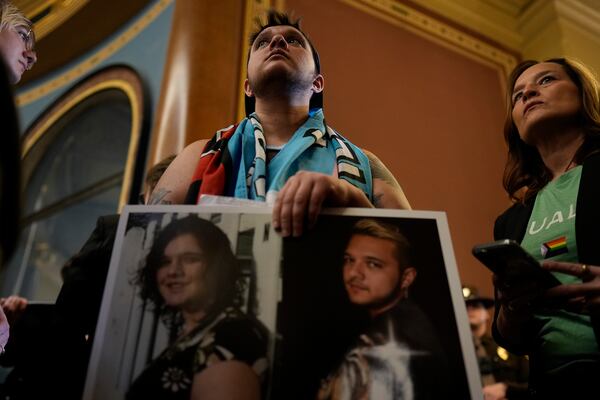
<point>232,335</point>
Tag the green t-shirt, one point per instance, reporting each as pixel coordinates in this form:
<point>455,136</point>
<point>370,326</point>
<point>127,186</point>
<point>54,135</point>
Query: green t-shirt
<point>563,336</point>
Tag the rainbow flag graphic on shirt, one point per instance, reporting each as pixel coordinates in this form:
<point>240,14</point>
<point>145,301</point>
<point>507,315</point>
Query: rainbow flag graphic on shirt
<point>554,247</point>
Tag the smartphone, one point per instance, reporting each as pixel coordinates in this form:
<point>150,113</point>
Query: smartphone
<point>508,259</point>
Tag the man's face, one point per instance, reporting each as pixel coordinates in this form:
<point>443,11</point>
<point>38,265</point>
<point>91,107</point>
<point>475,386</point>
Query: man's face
<point>13,49</point>
<point>478,317</point>
<point>372,275</point>
<point>280,54</point>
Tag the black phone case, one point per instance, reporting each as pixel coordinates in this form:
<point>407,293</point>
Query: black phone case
<point>507,257</point>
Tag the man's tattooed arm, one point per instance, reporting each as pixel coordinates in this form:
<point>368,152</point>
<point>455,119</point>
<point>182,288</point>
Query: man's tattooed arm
<point>175,182</point>
<point>387,192</point>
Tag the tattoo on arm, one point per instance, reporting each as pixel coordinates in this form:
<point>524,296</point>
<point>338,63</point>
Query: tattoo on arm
<point>377,197</point>
<point>158,197</point>
<point>380,171</point>
<point>387,192</point>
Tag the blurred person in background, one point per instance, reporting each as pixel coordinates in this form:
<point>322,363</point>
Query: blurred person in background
<point>56,364</point>
<point>503,375</point>
<point>17,41</point>
<point>17,55</point>
<point>9,186</point>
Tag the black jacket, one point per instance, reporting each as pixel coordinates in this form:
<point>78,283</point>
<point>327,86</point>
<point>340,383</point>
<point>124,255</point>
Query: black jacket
<point>50,345</point>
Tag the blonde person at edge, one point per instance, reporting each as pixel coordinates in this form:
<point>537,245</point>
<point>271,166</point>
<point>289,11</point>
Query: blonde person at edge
<point>16,51</point>
<point>17,41</point>
<point>553,133</point>
<point>283,82</point>
<point>16,46</point>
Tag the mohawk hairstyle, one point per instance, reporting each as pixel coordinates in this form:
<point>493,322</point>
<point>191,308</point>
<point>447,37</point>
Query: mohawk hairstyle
<point>275,18</point>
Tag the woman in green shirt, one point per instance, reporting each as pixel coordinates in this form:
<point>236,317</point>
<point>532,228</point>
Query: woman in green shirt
<point>553,133</point>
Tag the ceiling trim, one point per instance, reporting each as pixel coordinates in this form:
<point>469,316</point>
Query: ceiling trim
<point>580,15</point>
<point>536,18</point>
<point>94,59</point>
<point>512,7</point>
<point>59,13</point>
<point>489,20</point>
<point>429,27</point>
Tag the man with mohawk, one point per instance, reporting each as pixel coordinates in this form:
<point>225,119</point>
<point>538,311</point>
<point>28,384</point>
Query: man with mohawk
<point>283,152</point>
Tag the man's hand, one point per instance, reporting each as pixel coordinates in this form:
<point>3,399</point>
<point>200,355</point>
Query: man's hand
<point>13,307</point>
<point>304,194</point>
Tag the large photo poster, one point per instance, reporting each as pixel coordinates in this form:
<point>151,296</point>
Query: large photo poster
<point>367,305</point>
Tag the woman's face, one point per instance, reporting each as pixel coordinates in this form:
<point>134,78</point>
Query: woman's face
<point>543,97</point>
<point>181,276</point>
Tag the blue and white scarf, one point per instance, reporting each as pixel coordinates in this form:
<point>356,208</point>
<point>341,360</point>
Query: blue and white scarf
<point>313,147</point>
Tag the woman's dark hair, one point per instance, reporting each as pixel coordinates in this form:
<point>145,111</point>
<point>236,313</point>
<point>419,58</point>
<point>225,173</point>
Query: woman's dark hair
<point>222,268</point>
<point>525,169</point>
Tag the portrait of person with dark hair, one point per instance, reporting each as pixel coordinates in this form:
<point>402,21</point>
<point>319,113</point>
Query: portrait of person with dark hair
<point>192,279</point>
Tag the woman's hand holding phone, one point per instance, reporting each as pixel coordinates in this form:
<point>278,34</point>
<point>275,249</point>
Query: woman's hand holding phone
<point>519,279</point>
<point>582,297</point>
<point>523,284</point>
<point>520,284</point>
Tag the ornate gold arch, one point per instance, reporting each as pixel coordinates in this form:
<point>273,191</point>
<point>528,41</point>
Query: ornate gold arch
<point>120,78</point>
